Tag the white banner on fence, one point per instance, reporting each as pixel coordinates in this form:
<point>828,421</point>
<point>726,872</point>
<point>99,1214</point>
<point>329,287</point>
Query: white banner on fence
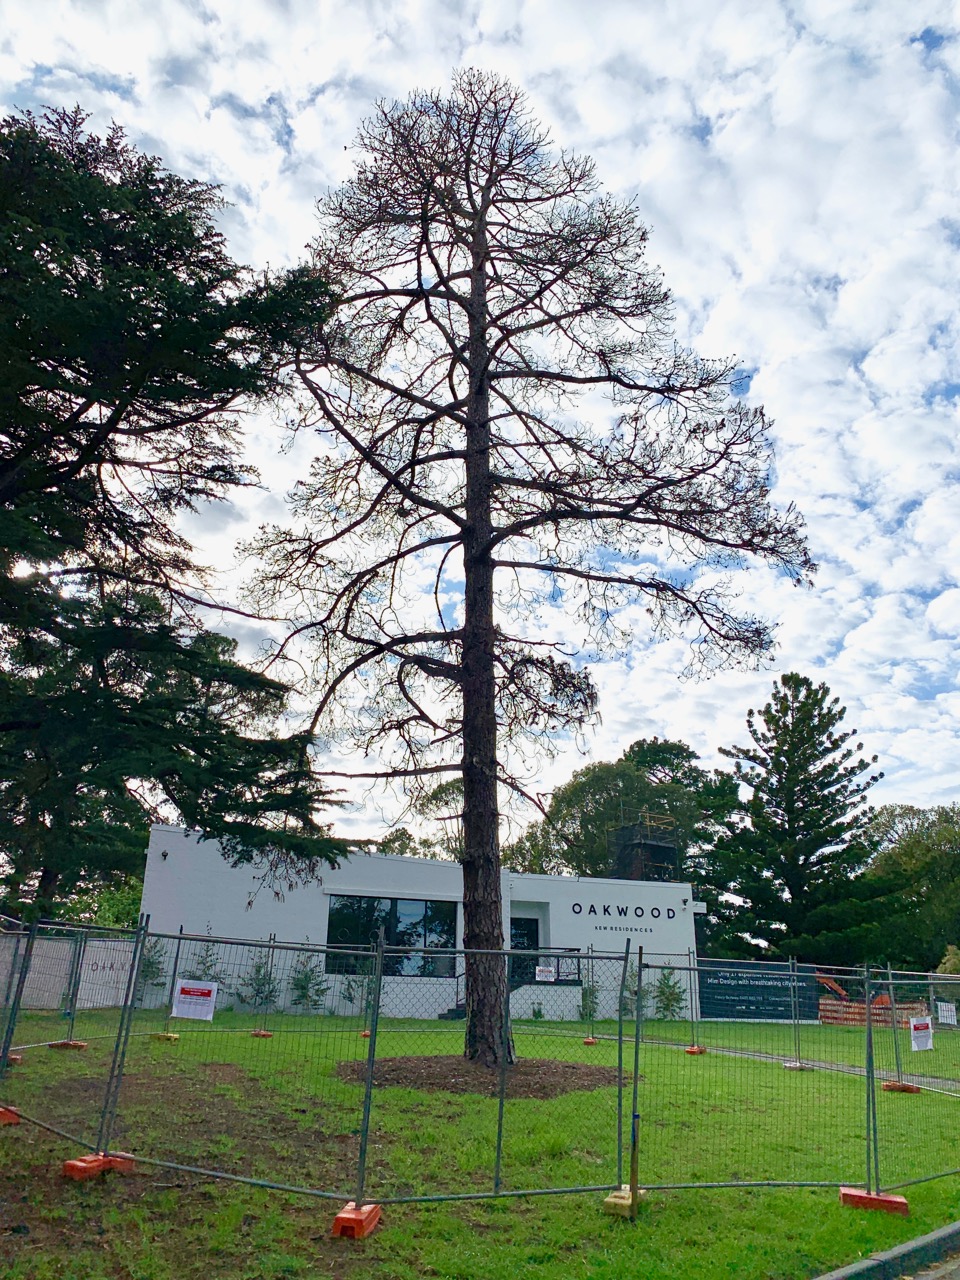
<point>921,1033</point>
<point>947,1013</point>
<point>192,999</point>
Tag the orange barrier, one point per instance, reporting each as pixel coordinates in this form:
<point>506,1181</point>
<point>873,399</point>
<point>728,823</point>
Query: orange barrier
<point>84,1167</point>
<point>853,1013</point>
<point>354,1223</point>
<point>856,1198</point>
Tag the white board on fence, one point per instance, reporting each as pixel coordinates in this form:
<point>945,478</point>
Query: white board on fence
<point>947,1013</point>
<point>192,999</point>
<point>921,1033</point>
<point>546,973</point>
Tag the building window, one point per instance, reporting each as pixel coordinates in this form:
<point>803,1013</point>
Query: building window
<point>411,923</point>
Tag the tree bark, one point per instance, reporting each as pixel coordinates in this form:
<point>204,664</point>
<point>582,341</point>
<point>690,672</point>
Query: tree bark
<point>47,886</point>
<point>486,985</point>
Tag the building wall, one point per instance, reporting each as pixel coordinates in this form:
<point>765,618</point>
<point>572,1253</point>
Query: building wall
<point>189,883</point>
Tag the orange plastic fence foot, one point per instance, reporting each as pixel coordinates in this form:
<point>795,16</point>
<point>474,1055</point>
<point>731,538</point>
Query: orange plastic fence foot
<point>354,1223</point>
<point>695,1048</point>
<point>899,1086</point>
<point>166,1037</point>
<point>262,1035</point>
<point>364,1035</point>
<point>67,1044</point>
<point>14,1059</point>
<point>857,1198</point>
<point>9,1115</point>
<point>589,1039</point>
<point>84,1167</point>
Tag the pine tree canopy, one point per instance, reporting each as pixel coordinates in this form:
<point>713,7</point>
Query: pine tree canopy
<point>795,856</point>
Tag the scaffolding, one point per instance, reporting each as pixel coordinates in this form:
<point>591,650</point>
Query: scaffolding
<point>645,849</point>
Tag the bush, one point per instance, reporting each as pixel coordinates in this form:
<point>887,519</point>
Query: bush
<point>668,996</point>
<point>205,964</point>
<point>309,984</point>
<point>258,987</point>
<point>153,966</point>
<point>589,1002</point>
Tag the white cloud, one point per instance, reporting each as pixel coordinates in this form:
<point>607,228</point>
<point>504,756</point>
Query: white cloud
<point>799,170</point>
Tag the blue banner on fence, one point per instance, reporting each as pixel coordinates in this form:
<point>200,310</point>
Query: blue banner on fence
<point>762,991</point>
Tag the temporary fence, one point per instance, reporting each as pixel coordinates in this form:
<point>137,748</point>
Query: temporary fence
<point>340,1073</point>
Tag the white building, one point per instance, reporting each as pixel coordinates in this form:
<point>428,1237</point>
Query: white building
<point>189,885</point>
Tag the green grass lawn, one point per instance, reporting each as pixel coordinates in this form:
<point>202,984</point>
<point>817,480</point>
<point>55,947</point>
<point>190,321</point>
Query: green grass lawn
<point>280,1109</point>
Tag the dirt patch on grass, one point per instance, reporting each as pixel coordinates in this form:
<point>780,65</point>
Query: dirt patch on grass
<point>217,1116</point>
<point>528,1078</point>
<point>194,1109</point>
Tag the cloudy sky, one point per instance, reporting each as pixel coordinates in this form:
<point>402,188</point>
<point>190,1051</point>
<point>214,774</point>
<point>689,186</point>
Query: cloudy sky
<point>798,166</point>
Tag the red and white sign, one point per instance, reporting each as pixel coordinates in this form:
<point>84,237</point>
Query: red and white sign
<point>192,999</point>
<point>546,973</point>
<point>921,1033</point>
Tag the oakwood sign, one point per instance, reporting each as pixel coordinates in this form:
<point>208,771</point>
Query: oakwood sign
<point>614,909</point>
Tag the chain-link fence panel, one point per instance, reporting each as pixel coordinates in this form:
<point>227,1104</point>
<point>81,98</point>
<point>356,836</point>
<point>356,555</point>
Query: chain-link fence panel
<point>434,1117</point>
<point>66,988</point>
<point>248,1060</point>
<point>544,1116</point>
<point>741,1083</point>
<point>568,1096</point>
<point>917,1056</point>
<point>341,1071</point>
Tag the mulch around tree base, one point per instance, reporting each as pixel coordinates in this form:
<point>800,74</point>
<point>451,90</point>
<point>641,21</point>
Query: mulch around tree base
<point>528,1078</point>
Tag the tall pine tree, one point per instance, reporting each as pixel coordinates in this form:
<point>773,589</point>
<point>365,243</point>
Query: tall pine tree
<point>795,854</point>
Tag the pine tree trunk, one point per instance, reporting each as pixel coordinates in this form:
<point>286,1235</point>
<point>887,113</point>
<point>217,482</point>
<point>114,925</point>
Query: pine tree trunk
<point>47,887</point>
<point>486,985</point>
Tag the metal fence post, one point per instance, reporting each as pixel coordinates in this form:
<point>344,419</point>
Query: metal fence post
<point>624,974</point>
<point>111,1097</point>
<point>691,960</point>
<point>868,1079</point>
<point>873,1152</point>
<point>268,986</point>
<point>591,988</point>
<point>895,1025</point>
<point>13,1011</point>
<point>14,969</point>
<point>505,1047</point>
<point>75,978</point>
<point>635,1114</point>
<point>173,982</point>
<point>371,1064</point>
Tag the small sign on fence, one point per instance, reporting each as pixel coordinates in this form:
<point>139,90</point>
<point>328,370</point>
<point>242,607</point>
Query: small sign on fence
<point>193,999</point>
<point>921,1033</point>
<point>947,1013</point>
<point>546,973</point>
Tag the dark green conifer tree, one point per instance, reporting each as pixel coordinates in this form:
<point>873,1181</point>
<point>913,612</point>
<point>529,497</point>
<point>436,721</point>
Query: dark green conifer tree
<point>795,855</point>
<point>131,344</point>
